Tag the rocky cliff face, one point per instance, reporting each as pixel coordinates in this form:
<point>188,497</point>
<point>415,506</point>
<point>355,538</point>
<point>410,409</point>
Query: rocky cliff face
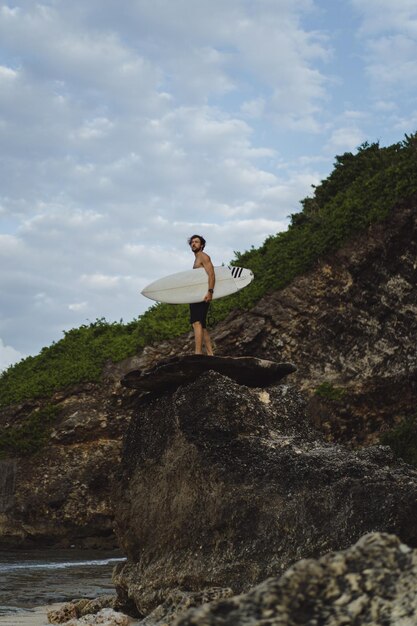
<point>221,486</point>
<point>351,322</point>
<point>60,495</point>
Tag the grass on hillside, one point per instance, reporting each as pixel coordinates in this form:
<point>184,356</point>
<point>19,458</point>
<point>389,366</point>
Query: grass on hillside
<point>362,189</point>
<point>30,436</point>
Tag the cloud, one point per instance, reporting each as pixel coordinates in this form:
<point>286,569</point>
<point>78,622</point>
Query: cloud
<point>345,139</point>
<point>389,31</point>
<point>378,16</point>
<point>8,356</point>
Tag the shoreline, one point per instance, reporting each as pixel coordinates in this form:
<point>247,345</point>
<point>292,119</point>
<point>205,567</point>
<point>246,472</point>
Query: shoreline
<point>37,616</point>
<point>30,617</point>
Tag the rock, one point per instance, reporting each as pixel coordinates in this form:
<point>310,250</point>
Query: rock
<point>95,605</point>
<point>178,370</point>
<point>372,583</point>
<point>61,496</point>
<point>222,485</point>
<point>63,614</point>
<point>105,617</point>
<point>179,602</point>
<point>79,608</point>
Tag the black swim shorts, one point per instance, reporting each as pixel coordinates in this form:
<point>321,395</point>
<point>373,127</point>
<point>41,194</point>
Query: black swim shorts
<point>198,312</point>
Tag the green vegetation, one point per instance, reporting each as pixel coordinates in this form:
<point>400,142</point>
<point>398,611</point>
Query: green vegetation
<point>328,392</point>
<point>403,440</point>
<point>30,435</point>
<point>363,188</point>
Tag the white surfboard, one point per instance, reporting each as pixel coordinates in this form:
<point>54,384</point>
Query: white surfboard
<point>191,286</point>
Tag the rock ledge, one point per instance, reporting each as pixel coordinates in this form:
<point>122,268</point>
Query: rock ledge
<point>178,370</point>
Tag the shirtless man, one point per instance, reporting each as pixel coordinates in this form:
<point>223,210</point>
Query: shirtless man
<point>198,311</point>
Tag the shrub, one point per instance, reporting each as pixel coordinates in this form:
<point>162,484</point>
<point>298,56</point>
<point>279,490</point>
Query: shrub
<point>30,436</point>
<point>329,392</point>
<point>403,440</point>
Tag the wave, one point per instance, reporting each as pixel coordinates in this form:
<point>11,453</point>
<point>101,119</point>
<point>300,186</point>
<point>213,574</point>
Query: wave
<point>8,567</point>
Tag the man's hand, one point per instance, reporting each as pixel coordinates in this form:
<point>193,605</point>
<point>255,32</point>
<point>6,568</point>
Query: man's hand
<point>208,297</point>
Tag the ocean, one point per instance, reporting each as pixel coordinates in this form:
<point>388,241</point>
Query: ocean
<point>38,577</point>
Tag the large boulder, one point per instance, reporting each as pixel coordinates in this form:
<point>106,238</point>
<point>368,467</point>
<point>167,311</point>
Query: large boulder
<point>222,486</point>
<point>373,582</point>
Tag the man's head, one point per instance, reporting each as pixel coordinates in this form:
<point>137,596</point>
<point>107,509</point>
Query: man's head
<point>196,243</point>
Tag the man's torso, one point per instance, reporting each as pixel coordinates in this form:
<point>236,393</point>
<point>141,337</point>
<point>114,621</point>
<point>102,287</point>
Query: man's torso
<point>198,261</point>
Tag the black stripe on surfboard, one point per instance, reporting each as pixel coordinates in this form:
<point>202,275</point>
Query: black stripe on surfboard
<point>237,272</point>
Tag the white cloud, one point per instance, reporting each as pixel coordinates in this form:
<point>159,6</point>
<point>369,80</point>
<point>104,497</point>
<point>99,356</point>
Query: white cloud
<point>254,107</point>
<point>78,306</point>
<point>406,124</point>
<point>378,16</point>
<point>8,355</point>
<point>389,31</point>
<point>7,73</point>
<point>345,139</point>
<point>101,281</point>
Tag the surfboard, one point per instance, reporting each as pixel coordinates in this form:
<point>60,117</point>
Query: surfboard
<point>191,286</point>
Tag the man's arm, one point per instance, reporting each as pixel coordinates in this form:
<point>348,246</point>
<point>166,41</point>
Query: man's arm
<point>208,266</point>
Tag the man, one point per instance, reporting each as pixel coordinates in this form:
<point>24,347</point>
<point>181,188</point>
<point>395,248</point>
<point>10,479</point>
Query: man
<point>198,311</point>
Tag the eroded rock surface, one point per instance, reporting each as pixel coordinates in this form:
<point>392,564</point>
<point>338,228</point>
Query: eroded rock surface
<point>179,370</point>
<point>373,582</point>
<point>61,494</point>
<point>222,486</point>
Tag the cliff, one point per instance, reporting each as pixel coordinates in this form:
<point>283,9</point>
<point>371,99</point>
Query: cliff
<point>349,325</point>
<point>222,485</point>
<point>60,494</point>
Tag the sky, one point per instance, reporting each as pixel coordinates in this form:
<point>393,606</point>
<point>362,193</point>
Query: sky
<point>128,125</point>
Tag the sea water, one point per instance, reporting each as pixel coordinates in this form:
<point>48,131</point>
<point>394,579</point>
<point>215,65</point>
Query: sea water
<point>37,577</point>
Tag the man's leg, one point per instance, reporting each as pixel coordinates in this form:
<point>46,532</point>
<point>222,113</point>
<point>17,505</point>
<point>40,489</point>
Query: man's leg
<point>207,342</point>
<point>198,337</point>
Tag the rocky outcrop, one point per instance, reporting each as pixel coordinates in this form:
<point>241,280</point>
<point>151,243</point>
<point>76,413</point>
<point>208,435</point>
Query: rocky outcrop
<point>60,495</point>
<point>373,582</point>
<point>102,610</point>
<point>179,370</point>
<point>351,322</point>
<point>222,485</point>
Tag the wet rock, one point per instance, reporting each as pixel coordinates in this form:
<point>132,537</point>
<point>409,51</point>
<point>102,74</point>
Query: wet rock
<point>105,617</point>
<point>179,370</point>
<point>63,614</point>
<point>179,602</point>
<point>373,582</point>
<point>79,608</point>
<point>222,485</point>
